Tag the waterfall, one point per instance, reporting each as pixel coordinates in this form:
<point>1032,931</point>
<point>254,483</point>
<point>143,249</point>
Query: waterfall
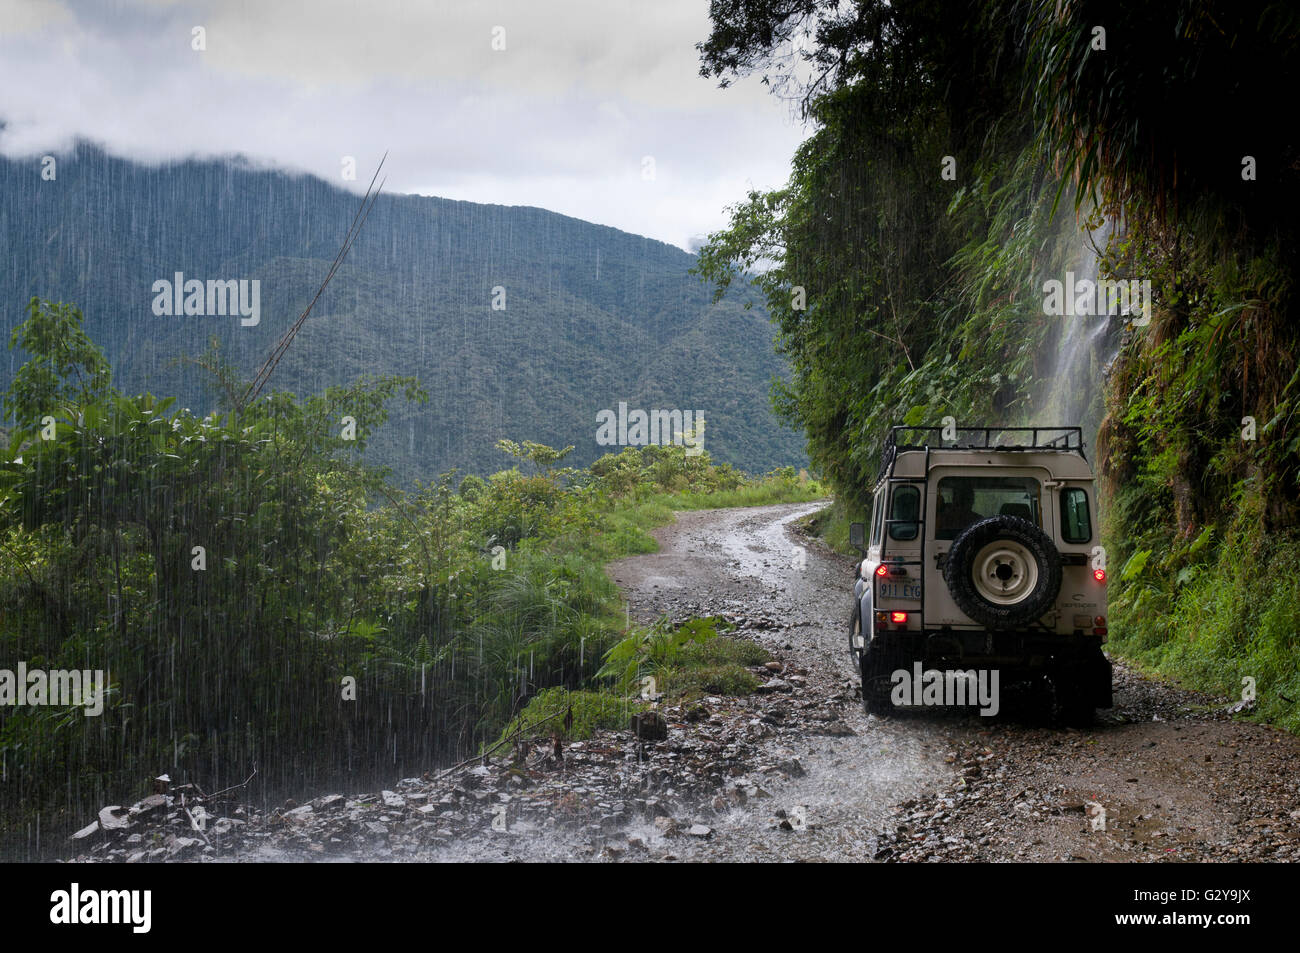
<point>1085,346</point>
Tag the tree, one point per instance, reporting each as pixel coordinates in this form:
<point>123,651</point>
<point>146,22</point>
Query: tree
<point>856,256</point>
<point>64,366</point>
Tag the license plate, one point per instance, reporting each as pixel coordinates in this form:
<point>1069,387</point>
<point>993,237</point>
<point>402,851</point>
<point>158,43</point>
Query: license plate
<point>910,591</point>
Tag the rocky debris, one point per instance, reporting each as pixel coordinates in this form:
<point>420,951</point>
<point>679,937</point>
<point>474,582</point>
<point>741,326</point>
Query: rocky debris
<point>114,818</point>
<point>150,806</point>
<point>617,795</point>
<point>649,726</point>
<point>665,826</point>
<point>86,831</point>
<point>836,729</point>
<point>1025,793</point>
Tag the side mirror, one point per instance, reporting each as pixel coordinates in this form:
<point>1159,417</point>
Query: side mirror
<point>857,536</point>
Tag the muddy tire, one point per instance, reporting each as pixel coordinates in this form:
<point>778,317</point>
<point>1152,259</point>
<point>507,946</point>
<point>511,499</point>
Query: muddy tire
<point>878,664</point>
<point>1003,572</point>
<point>1099,680</point>
<point>1071,704</point>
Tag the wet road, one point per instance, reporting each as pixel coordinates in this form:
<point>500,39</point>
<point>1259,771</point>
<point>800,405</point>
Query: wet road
<point>746,562</point>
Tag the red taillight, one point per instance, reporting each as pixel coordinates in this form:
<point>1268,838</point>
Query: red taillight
<point>882,570</point>
<point>898,618</point>
<point>1100,620</point>
<point>1099,575</point>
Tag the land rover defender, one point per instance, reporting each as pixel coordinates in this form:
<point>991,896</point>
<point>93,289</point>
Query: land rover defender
<point>983,556</point>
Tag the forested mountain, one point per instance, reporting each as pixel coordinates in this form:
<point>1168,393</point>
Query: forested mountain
<point>586,316</point>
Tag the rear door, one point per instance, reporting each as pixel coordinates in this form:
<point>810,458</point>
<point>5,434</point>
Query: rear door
<point>961,495</point>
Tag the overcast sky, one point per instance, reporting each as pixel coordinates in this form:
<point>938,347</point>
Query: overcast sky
<point>564,117</point>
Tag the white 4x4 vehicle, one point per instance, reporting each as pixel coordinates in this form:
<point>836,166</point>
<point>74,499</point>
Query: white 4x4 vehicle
<point>981,560</point>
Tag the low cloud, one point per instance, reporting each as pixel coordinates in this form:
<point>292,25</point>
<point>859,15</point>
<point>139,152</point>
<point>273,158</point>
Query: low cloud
<point>563,117</point>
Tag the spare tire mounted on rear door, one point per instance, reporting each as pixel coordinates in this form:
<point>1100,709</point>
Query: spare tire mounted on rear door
<point>1003,571</point>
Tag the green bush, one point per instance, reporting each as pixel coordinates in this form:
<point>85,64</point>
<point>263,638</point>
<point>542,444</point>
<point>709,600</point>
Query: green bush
<point>1210,615</point>
<point>545,714</point>
<point>686,660</point>
<point>686,683</point>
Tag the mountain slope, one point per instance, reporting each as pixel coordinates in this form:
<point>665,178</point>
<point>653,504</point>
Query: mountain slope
<point>593,316</point>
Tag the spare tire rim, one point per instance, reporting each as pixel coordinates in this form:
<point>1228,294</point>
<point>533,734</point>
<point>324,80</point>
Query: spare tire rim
<point>1005,572</point>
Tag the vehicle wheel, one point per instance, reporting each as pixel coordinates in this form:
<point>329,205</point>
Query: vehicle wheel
<point>1069,701</point>
<point>878,664</point>
<point>1079,714</point>
<point>1003,572</point>
<point>1100,681</point>
<point>1073,708</point>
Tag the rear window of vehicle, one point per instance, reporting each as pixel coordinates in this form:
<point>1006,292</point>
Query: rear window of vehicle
<point>965,500</point>
<point>906,506</point>
<point>1076,524</point>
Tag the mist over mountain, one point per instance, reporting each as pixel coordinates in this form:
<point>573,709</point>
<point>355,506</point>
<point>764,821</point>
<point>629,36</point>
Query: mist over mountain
<point>592,316</point>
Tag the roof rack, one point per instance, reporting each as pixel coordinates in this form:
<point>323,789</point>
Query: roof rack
<point>1003,439</point>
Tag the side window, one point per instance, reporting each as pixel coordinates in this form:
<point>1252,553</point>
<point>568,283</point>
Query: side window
<point>906,505</point>
<point>1076,526</point>
<point>877,518</point>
